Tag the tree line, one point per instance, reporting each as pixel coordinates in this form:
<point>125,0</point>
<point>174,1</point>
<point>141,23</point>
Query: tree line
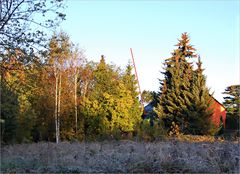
<point>68,97</point>
<point>51,92</point>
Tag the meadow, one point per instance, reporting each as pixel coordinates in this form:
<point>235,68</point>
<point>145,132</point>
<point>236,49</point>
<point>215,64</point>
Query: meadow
<point>124,156</point>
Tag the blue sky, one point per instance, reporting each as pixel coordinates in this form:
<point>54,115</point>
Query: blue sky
<point>151,29</point>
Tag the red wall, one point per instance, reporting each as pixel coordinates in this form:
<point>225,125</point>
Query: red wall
<point>218,111</point>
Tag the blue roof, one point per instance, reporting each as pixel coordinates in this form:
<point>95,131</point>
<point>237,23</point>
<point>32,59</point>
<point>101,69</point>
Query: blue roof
<point>148,107</point>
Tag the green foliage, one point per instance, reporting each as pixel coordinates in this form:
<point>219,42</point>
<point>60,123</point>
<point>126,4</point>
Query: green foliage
<point>23,39</point>
<point>130,83</point>
<point>198,113</point>
<point>232,122</point>
<point>147,96</point>
<point>19,83</point>
<point>232,104</point>
<point>184,98</point>
<point>96,101</point>
<point>106,100</point>
<point>26,118</point>
<point>147,132</point>
<point>232,100</point>
<point>112,106</point>
<point>9,114</point>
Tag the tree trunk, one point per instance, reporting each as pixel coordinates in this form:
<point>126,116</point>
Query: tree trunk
<point>75,100</point>
<point>85,89</point>
<point>56,106</point>
<point>59,104</point>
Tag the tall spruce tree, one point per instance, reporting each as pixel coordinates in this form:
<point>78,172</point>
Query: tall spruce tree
<point>184,99</point>
<point>174,90</point>
<point>198,112</point>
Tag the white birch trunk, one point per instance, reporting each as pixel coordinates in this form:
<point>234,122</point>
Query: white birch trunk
<point>56,106</point>
<point>59,106</point>
<point>75,100</point>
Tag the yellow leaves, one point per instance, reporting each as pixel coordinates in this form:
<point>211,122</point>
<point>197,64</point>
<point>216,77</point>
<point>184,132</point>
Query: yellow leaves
<point>95,104</point>
<point>175,129</point>
<point>106,95</point>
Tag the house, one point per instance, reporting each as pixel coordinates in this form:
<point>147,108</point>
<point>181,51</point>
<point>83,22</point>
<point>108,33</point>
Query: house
<point>148,110</point>
<point>148,113</point>
<point>219,112</point>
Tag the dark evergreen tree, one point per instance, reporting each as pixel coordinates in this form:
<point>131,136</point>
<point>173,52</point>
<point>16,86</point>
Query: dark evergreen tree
<point>232,104</point>
<point>232,100</point>
<point>198,113</point>
<point>184,100</point>
<point>174,90</point>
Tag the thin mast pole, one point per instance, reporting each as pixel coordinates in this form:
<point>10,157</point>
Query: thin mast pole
<point>136,75</point>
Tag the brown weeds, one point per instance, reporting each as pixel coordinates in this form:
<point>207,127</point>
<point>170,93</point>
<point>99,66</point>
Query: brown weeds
<point>122,157</point>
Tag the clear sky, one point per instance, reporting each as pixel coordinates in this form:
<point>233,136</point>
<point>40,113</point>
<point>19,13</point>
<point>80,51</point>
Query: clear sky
<point>151,29</point>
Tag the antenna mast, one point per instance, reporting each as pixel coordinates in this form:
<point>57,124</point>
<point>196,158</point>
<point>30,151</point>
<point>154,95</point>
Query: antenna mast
<point>136,76</point>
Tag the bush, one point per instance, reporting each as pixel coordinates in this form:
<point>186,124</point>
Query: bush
<point>232,122</point>
<point>148,132</point>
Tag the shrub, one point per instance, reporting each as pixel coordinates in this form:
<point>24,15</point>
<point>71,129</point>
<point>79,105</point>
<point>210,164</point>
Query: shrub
<point>148,132</point>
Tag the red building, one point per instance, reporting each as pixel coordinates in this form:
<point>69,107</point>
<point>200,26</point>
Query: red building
<point>219,112</point>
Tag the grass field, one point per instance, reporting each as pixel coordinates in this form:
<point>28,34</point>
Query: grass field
<point>122,157</point>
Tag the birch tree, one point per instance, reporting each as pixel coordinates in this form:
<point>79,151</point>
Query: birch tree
<point>59,53</point>
<point>75,62</point>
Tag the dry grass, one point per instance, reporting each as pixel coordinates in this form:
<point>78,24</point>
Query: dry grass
<point>122,157</point>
